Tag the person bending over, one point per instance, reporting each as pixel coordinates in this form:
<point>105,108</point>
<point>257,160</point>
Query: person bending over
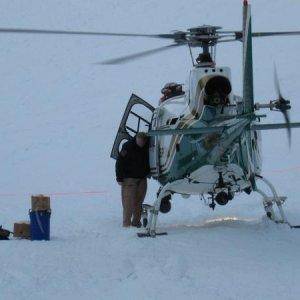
<point>132,169</point>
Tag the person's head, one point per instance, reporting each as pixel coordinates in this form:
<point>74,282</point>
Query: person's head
<point>168,88</point>
<point>171,88</point>
<point>141,139</point>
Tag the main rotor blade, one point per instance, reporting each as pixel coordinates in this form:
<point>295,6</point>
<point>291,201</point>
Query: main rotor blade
<point>127,58</point>
<point>275,33</point>
<point>71,32</point>
<point>227,41</point>
<point>239,34</point>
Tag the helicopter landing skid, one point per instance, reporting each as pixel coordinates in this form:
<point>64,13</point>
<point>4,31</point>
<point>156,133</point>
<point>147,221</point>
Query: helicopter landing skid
<point>153,210</point>
<point>150,223</point>
<point>148,234</point>
<point>268,203</point>
<point>146,208</point>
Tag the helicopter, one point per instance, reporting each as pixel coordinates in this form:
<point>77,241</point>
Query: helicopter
<point>205,141</point>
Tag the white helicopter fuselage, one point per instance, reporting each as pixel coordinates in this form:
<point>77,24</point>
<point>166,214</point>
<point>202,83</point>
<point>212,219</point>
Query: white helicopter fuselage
<point>190,111</point>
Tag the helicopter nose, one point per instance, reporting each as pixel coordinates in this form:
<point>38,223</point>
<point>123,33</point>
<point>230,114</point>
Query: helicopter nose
<point>219,84</point>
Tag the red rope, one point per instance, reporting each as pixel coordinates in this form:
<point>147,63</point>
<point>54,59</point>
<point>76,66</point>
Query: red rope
<point>103,192</point>
<point>57,194</point>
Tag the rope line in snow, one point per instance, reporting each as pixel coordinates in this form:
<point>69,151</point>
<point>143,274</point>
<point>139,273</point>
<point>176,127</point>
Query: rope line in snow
<point>104,192</point>
<point>56,194</point>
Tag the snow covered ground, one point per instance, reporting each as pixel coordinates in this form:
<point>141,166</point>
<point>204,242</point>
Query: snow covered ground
<point>59,112</point>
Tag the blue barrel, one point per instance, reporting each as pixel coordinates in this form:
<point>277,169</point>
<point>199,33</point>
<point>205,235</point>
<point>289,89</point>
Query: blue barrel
<point>40,225</point>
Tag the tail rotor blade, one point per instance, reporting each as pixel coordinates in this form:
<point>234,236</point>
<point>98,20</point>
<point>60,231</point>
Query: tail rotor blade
<point>283,105</point>
<point>276,82</point>
<point>288,123</point>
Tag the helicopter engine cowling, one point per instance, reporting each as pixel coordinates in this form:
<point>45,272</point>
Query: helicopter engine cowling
<point>218,83</point>
<point>216,91</point>
<point>212,90</point>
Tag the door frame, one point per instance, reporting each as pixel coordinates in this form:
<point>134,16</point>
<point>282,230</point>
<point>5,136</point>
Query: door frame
<point>122,133</point>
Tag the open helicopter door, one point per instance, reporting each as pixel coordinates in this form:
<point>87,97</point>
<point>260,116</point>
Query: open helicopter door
<point>137,117</point>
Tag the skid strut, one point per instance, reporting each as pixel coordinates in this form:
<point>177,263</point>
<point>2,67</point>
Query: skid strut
<point>153,210</point>
<point>275,199</point>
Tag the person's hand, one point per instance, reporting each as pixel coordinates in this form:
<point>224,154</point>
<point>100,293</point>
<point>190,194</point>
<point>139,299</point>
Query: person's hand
<point>120,183</point>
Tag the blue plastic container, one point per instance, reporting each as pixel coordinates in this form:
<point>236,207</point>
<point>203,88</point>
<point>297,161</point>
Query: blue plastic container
<point>40,225</point>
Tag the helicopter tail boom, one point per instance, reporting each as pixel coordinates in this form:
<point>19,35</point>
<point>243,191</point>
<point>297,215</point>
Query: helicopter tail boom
<point>189,131</point>
<point>218,129</point>
<point>274,126</point>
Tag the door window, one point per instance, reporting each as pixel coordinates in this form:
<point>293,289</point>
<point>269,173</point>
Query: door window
<point>137,118</point>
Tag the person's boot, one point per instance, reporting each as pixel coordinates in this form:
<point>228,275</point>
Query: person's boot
<point>136,224</point>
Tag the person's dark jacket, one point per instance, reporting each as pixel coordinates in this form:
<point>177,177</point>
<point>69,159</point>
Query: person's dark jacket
<point>133,161</point>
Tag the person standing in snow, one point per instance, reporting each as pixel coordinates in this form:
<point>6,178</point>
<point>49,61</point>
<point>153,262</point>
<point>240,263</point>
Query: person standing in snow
<point>132,169</point>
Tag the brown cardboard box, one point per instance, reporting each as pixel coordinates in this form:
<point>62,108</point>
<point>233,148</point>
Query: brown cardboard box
<point>40,202</point>
<point>22,230</point>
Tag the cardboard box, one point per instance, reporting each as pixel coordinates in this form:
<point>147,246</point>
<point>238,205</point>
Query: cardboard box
<point>22,230</point>
<point>40,202</point>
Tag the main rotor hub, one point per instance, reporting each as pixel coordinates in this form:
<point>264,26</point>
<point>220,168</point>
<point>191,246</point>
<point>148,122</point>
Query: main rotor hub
<point>205,29</point>
<point>202,36</point>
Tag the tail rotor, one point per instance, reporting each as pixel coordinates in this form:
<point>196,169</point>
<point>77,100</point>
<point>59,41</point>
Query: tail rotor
<point>283,105</point>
